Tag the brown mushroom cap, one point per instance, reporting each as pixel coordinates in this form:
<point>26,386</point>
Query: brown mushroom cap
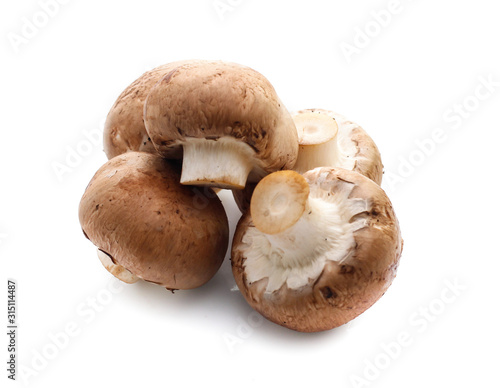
<point>137,213</point>
<point>124,129</point>
<point>332,265</point>
<point>244,197</point>
<point>349,147</point>
<point>228,120</point>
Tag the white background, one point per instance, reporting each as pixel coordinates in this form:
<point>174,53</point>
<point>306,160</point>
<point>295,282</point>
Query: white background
<point>401,83</point>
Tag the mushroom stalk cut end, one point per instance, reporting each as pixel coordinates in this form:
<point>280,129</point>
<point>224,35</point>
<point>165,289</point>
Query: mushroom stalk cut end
<point>223,162</point>
<point>278,202</point>
<point>317,141</point>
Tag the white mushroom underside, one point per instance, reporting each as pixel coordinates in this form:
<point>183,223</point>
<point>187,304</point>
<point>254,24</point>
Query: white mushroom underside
<point>298,255</point>
<point>224,162</point>
<point>341,151</point>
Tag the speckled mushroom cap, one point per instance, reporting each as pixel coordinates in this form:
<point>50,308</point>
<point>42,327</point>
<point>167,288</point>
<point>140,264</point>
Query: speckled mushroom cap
<point>124,128</point>
<point>150,226</point>
<point>345,145</point>
<point>329,267</point>
<point>227,119</point>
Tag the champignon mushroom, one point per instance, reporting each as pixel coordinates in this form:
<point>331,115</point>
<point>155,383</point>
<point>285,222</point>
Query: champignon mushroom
<point>124,128</point>
<point>225,118</point>
<point>328,139</point>
<point>317,250</point>
<point>147,225</point>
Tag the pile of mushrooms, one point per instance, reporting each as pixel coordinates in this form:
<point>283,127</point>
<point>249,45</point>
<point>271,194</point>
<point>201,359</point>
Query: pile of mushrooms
<point>318,242</point>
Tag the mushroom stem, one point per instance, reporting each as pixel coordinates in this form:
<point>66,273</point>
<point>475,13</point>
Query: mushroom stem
<point>278,202</point>
<point>223,162</point>
<point>317,141</point>
<point>116,270</point>
<point>298,225</point>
